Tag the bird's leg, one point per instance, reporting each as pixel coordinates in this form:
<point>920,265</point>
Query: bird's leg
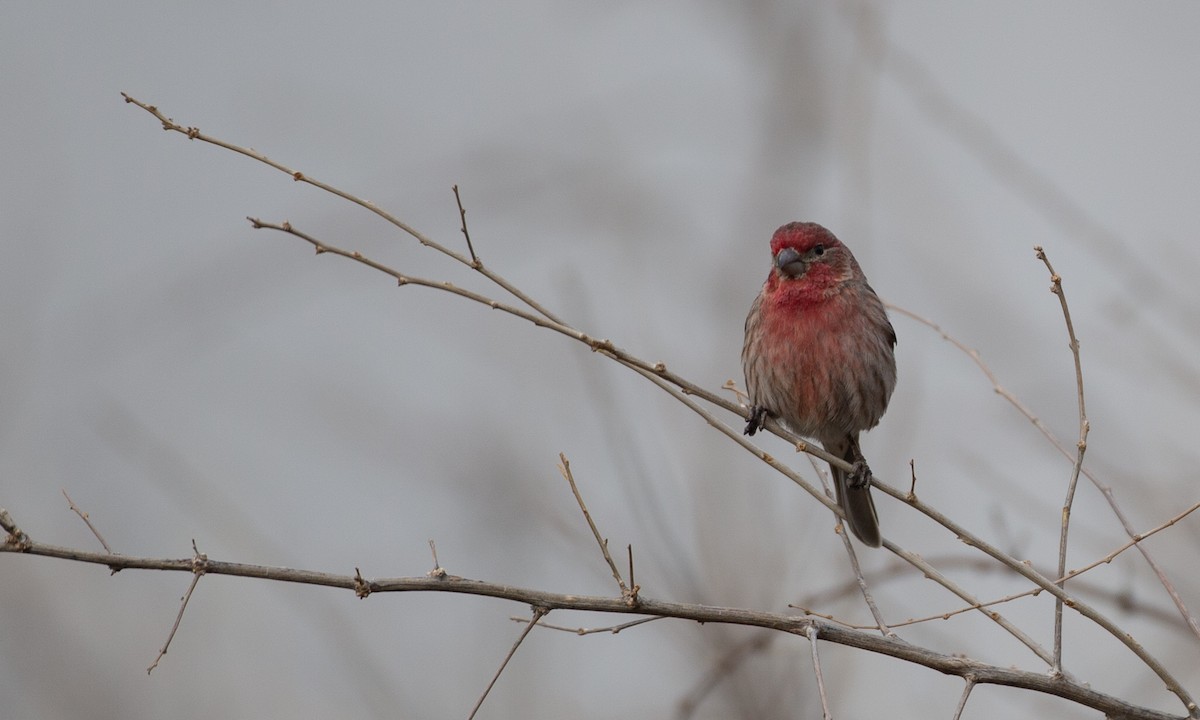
<point>758,416</point>
<point>860,474</point>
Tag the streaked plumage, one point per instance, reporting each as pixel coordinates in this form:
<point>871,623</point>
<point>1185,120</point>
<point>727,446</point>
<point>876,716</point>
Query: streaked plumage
<point>819,356</point>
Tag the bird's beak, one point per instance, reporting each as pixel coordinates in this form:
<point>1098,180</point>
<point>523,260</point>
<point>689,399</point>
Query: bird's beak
<point>790,263</point>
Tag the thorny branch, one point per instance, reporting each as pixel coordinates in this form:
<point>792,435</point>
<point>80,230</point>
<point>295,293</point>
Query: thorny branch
<point>982,673</point>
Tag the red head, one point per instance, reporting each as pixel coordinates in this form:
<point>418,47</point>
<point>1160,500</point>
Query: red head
<point>802,236</point>
<point>809,263</point>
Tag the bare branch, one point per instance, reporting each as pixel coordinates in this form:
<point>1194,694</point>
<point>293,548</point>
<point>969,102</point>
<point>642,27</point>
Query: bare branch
<point>962,700</point>
<point>855,566</point>
<point>633,586</point>
<point>538,614</point>
<point>438,571</point>
<point>199,564</point>
<point>1057,289</point>
<point>811,632</point>
<point>462,214</point>
<point>1063,687</point>
<point>868,598</point>
<point>565,469</point>
<point>193,133</point>
<point>581,631</point>
<point>87,521</point>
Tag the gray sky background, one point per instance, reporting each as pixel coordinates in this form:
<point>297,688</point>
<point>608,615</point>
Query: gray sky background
<point>183,376</point>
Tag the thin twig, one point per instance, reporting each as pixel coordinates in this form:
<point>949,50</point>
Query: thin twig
<point>462,214</point>
<point>1057,289</point>
<point>863,588</point>
<point>633,586</point>
<point>199,566</point>
<point>843,532</point>
<point>741,397</point>
<point>812,641</point>
<point>1133,541</point>
<point>84,517</point>
<point>581,631</point>
<point>438,570</point>
<point>538,614</point>
<point>962,700</point>
<point>565,469</point>
<point>855,567</point>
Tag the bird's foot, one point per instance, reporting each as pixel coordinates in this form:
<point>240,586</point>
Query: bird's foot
<point>860,475</point>
<point>758,416</point>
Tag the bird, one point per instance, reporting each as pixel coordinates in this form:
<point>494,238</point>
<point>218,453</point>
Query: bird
<point>819,356</point>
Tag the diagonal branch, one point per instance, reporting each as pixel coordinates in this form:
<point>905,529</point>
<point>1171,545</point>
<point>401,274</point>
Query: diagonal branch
<point>199,567</point>
<point>538,614</point>
<point>812,635</point>
<point>630,594</point>
<point>86,520</point>
<point>193,133</point>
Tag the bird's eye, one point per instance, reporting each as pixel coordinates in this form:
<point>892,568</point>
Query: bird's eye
<point>818,250</point>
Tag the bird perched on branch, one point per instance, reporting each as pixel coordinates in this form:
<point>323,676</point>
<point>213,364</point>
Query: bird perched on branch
<point>820,357</point>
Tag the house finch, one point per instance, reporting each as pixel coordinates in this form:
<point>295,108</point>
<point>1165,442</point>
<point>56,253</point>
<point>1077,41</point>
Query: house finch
<point>819,356</point>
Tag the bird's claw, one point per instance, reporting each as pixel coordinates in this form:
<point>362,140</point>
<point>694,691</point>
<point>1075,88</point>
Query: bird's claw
<point>758,416</point>
<point>860,476</point>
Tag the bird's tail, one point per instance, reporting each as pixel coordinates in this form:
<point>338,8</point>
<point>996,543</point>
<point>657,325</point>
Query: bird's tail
<point>856,501</point>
